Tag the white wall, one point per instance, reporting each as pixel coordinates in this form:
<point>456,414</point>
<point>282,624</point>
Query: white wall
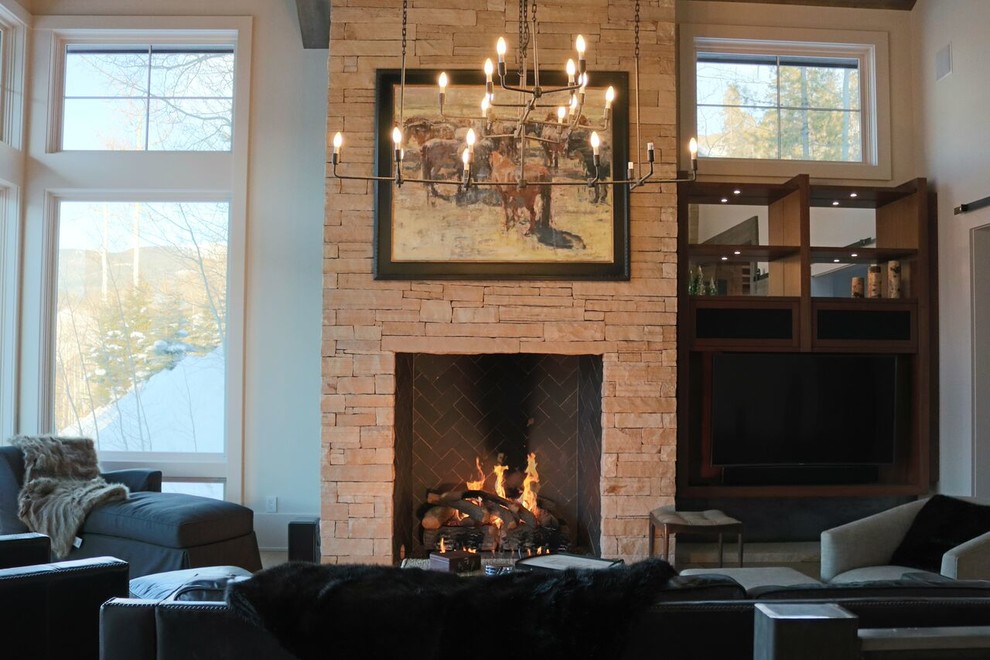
<point>955,149</point>
<point>283,309</point>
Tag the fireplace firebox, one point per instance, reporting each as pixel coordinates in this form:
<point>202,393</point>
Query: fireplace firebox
<point>497,452</point>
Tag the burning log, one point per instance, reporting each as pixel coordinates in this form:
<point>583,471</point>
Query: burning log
<point>470,509</point>
<point>435,517</point>
<point>518,511</point>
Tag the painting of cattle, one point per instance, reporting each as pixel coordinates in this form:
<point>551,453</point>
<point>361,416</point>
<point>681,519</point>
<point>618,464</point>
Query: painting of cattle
<point>532,209</point>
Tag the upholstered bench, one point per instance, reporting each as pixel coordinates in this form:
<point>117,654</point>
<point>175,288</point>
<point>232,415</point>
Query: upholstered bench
<point>712,521</point>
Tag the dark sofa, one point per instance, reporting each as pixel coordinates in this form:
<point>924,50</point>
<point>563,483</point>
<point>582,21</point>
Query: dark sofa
<point>50,611</point>
<point>152,531</point>
<point>696,617</point>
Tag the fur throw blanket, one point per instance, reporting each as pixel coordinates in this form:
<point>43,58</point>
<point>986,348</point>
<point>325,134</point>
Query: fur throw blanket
<point>62,484</point>
<point>350,612</point>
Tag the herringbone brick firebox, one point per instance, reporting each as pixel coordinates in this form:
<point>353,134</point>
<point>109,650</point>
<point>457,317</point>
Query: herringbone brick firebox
<point>369,324</point>
<point>468,408</point>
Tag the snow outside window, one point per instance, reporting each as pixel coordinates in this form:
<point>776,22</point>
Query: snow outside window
<point>141,324</point>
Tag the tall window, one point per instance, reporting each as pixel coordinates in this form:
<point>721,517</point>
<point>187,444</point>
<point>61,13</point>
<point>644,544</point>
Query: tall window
<point>775,107</point>
<point>141,323</point>
<point>152,98</point>
<point>137,335</point>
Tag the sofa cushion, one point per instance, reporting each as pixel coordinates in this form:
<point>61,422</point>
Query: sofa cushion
<point>208,583</point>
<point>874,573</point>
<point>174,520</point>
<point>701,587</point>
<point>941,524</point>
<point>916,586</point>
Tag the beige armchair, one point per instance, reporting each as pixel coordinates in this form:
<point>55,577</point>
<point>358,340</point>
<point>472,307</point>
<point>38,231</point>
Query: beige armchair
<point>862,550</point>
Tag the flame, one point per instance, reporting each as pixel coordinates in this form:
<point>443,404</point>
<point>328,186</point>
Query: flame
<point>531,484</point>
<point>499,471</point>
<point>443,546</point>
<point>480,483</point>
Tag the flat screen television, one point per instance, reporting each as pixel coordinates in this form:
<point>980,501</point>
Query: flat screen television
<point>795,409</point>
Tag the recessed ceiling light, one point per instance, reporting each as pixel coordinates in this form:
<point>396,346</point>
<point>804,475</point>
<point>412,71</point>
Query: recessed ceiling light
<point>854,254</point>
<point>725,258</point>
<point>737,192</point>
<point>835,260</point>
<point>725,199</point>
<point>853,195</point>
<point>835,203</point>
<point>737,252</point>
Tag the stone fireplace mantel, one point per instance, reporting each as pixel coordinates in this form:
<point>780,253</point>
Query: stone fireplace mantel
<point>631,325</point>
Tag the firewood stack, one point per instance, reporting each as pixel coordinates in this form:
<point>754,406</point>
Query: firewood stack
<point>482,521</point>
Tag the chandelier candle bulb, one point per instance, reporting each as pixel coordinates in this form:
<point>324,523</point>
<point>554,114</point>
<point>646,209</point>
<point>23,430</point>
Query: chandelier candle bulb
<point>489,69</point>
<point>442,81</point>
<point>650,153</point>
<point>338,140</point>
<point>579,45</point>
<point>571,70</point>
<point>470,138</point>
<point>631,169</point>
<point>693,148</point>
<point>500,50</point>
<point>561,113</point>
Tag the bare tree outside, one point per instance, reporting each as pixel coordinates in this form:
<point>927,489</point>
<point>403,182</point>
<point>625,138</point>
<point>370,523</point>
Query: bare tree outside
<point>777,108</point>
<point>141,324</point>
<point>151,98</point>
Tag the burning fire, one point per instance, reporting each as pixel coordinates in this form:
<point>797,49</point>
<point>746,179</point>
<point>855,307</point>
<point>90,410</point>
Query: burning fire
<point>499,471</point>
<point>531,485</point>
<point>480,483</point>
<point>478,507</point>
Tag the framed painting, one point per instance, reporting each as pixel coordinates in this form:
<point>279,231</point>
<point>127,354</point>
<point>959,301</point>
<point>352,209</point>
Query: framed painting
<point>497,230</point>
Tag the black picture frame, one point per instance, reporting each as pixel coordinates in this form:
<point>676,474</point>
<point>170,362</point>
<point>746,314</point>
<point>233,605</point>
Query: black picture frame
<point>616,267</point>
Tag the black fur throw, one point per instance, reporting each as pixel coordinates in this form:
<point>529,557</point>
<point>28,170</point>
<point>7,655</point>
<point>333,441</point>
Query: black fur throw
<point>349,612</point>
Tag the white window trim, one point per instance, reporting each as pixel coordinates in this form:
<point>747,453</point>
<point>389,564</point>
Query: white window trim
<point>870,48</point>
<point>14,25</point>
<point>9,282</point>
<point>121,176</point>
<point>64,38</point>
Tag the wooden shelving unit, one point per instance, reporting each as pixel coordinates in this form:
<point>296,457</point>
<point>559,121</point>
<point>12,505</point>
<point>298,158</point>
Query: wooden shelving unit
<point>787,318</point>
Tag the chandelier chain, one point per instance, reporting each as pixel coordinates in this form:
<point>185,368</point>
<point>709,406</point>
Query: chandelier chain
<point>636,24</point>
<point>402,81</point>
<point>523,37</point>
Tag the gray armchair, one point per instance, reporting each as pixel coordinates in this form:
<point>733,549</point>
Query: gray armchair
<point>862,550</point>
<point>152,531</point>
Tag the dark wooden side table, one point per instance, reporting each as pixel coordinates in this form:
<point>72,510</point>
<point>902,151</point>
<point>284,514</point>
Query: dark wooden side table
<point>712,521</point>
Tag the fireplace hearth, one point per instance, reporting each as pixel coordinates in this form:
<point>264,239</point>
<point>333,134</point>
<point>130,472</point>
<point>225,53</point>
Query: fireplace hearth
<point>497,453</point>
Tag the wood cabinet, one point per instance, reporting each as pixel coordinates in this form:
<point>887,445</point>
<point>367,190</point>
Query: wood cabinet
<point>769,268</point>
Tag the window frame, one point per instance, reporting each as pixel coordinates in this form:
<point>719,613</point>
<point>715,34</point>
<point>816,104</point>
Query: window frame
<point>143,176</point>
<point>869,48</point>
<point>84,37</point>
<point>14,32</point>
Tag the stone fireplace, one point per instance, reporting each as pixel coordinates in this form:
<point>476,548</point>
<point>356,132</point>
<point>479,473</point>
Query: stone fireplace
<point>371,328</point>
